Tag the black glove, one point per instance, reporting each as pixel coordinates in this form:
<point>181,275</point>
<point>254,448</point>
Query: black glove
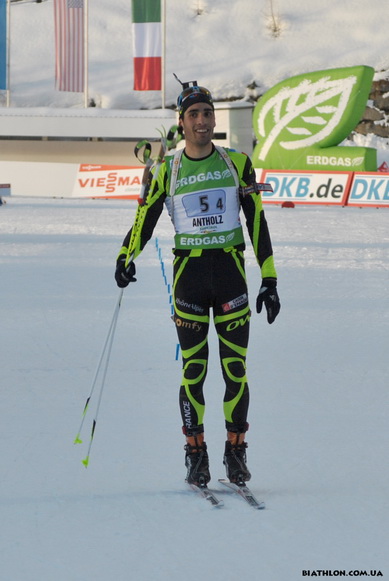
<point>268,295</point>
<point>123,275</point>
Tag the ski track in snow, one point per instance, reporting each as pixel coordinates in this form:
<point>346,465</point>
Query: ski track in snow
<point>318,436</point>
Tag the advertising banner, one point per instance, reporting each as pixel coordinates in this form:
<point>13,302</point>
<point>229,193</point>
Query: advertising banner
<point>108,181</point>
<point>304,187</point>
<point>300,122</point>
<point>299,187</point>
<point>369,189</point>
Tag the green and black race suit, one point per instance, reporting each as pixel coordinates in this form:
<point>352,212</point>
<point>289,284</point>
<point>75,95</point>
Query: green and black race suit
<point>204,198</point>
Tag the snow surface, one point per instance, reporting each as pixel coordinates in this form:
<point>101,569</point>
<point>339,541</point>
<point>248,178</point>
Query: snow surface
<point>318,439</point>
<point>318,436</point>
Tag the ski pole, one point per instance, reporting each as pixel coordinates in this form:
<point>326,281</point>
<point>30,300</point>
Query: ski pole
<point>158,249</point>
<point>105,354</point>
<point>168,141</point>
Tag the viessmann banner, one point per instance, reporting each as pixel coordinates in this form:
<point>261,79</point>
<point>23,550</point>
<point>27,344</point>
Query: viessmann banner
<point>108,181</point>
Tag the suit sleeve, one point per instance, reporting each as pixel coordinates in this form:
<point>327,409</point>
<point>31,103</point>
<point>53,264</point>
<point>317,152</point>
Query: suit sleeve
<point>146,217</point>
<point>256,223</point>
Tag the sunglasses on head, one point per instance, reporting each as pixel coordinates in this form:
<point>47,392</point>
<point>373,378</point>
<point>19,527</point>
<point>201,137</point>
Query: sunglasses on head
<point>192,92</point>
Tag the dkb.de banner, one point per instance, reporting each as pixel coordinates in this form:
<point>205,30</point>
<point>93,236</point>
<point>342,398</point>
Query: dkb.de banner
<point>326,188</point>
<point>369,189</point>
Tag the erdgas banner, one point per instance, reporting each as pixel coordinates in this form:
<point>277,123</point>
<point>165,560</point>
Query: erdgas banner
<point>300,122</point>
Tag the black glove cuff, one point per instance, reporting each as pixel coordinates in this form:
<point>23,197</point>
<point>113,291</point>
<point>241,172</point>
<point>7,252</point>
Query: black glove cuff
<point>269,282</point>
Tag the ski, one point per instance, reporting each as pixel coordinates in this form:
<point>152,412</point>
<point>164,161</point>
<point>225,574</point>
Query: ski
<point>207,494</point>
<point>243,491</point>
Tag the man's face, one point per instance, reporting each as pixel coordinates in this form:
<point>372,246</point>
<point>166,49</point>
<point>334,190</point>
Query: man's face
<point>198,124</point>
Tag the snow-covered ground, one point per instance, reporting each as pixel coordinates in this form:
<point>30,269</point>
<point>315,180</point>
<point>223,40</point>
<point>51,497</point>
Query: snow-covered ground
<point>318,439</point>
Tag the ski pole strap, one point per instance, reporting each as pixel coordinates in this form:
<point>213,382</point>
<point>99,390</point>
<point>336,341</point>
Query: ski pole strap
<point>142,149</point>
<point>169,141</point>
<point>143,156</point>
<point>174,136</point>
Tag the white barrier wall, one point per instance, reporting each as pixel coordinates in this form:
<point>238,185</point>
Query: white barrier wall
<point>83,123</point>
<point>40,179</point>
<point>233,124</point>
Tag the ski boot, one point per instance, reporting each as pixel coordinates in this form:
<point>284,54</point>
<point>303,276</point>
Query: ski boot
<point>196,461</point>
<point>235,459</point>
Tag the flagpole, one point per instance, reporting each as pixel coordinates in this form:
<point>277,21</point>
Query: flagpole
<point>163,52</point>
<point>86,27</point>
<point>8,96</point>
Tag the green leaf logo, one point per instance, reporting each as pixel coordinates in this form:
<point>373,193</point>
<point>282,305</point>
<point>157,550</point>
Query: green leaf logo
<point>310,113</point>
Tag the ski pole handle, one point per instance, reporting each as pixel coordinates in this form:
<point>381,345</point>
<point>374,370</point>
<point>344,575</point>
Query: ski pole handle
<point>174,136</point>
<point>168,141</point>
<point>145,155</point>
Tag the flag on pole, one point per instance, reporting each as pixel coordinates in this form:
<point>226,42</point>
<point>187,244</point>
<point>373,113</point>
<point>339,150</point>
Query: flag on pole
<point>3,45</point>
<point>147,44</point>
<point>69,45</point>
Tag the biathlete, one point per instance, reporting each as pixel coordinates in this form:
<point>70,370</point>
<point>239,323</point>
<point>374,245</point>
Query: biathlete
<point>204,187</point>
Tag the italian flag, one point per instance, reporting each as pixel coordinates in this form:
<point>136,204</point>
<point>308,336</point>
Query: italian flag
<point>147,44</point>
